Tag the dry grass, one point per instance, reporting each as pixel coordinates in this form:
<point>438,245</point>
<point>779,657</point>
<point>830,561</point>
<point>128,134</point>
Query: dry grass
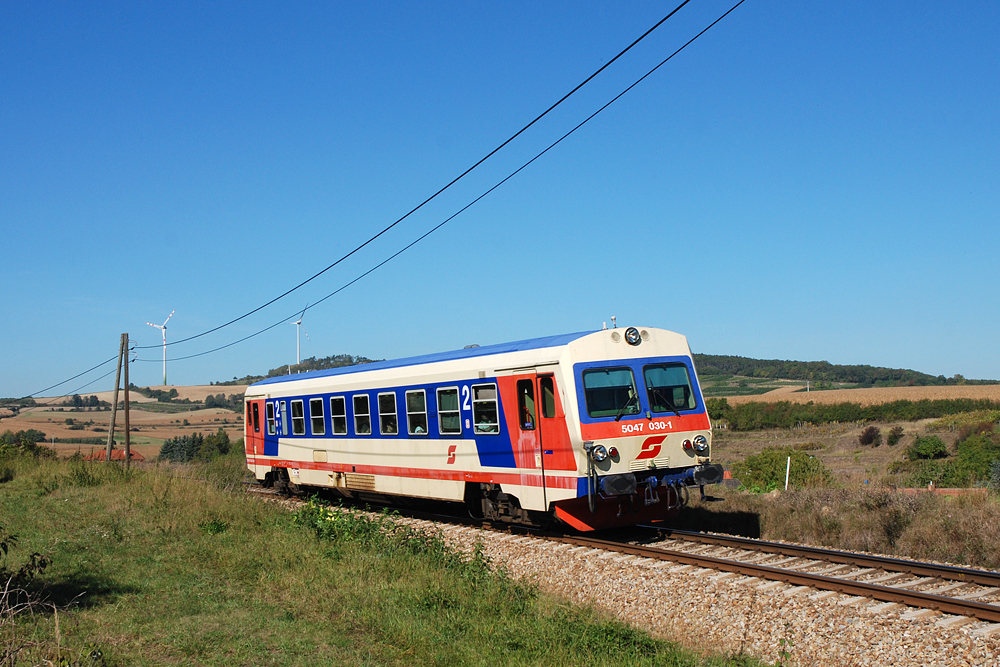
<point>925,526</point>
<point>874,395</point>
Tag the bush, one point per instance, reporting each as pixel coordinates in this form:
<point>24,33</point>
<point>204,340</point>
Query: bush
<point>766,471</point>
<point>931,447</point>
<point>870,436</point>
<point>895,435</point>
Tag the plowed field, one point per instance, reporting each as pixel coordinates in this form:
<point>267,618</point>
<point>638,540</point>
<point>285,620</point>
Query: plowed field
<point>874,395</point>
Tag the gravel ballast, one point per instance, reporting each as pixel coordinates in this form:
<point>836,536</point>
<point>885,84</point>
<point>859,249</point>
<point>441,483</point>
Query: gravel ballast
<point>717,612</point>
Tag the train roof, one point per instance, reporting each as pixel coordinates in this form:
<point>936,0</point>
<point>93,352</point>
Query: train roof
<point>467,353</point>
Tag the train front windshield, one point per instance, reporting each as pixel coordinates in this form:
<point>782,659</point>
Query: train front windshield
<point>668,387</point>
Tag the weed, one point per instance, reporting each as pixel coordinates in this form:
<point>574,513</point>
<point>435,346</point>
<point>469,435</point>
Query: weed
<point>83,474</point>
<point>895,435</point>
<point>785,645</point>
<point>214,526</point>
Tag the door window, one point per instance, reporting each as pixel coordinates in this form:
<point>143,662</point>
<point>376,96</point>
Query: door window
<point>526,404</point>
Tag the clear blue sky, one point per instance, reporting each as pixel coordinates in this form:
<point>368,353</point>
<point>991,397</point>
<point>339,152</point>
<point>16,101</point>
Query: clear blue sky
<point>810,181</point>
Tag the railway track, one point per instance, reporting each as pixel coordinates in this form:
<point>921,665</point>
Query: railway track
<point>963,594</point>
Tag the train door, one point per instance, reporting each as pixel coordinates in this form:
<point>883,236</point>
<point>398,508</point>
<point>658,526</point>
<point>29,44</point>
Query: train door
<point>530,440</point>
<point>553,437</point>
<point>541,433</point>
<point>254,426</point>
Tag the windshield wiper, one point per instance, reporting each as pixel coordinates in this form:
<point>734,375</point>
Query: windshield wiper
<point>625,407</point>
<point>661,397</point>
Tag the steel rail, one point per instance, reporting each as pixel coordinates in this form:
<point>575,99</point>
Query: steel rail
<point>980,610</point>
<point>948,572</point>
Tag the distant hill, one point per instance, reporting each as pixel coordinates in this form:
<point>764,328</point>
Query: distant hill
<point>715,366</point>
<point>821,372</point>
<point>310,364</point>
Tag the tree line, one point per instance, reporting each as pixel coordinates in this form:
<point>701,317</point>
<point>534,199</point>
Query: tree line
<point>755,416</point>
<point>824,371</point>
<point>309,364</point>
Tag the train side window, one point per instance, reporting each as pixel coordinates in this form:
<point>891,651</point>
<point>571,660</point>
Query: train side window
<point>485,414</point>
<point>449,416</point>
<point>269,417</point>
<point>416,412</point>
<point>338,415</point>
<point>316,416</point>
<point>298,419</point>
<point>284,418</point>
<point>548,397</point>
<point>362,415</point>
<point>387,420</point>
<point>256,418</point>
<point>610,392</point>
<point>526,404</point>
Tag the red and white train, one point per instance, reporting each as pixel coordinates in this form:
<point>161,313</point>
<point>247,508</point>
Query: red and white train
<point>595,430</point>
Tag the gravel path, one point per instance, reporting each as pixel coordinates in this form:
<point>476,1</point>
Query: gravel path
<point>704,609</point>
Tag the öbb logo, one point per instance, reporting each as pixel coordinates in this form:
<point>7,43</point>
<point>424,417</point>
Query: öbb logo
<point>651,447</point>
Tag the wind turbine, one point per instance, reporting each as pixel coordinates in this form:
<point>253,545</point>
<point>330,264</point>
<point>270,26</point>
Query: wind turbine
<point>163,330</point>
<point>298,330</point>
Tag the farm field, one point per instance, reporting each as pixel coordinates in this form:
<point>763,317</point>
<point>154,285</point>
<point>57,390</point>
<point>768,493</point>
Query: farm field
<point>871,395</point>
<point>150,427</point>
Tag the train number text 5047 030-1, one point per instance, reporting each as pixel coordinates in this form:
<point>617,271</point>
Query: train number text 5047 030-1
<point>640,427</point>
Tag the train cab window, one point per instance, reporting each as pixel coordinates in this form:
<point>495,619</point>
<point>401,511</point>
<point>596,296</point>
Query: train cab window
<point>668,387</point>
<point>316,416</point>
<point>526,404</point>
<point>548,397</point>
<point>284,418</point>
<point>416,412</point>
<point>338,415</point>
<point>449,416</point>
<point>485,414</point>
<point>387,421</point>
<point>362,415</point>
<point>269,417</point>
<point>610,392</point>
<point>298,419</point>
<point>256,418</point>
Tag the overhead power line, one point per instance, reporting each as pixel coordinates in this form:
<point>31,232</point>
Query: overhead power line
<point>445,221</point>
<point>428,199</point>
<point>470,204</point>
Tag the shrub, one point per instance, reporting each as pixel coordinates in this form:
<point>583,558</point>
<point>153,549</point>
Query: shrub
<point>895,435</point>
<point>765,472</point>
<point>870,436</point>
<point>931,447</point>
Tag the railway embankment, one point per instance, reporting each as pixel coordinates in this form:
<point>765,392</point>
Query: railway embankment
<point>160,565</point>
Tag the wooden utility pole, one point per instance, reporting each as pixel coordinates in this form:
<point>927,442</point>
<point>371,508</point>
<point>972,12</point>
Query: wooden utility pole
<point>128,431</point>
<point>122,346</point>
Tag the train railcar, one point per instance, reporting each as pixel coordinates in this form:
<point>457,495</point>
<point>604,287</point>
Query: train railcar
<point>594,429</point>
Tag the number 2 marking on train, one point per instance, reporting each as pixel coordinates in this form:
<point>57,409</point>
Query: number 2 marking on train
<point>465,395</point>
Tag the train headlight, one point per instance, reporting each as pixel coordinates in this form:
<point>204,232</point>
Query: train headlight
<point>700,444</point>
<point>686,445</point>
<point>632,336</point>
<point>598,453</point>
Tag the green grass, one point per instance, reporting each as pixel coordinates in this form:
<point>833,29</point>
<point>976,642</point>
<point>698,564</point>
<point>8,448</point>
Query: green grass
<point>157,567</point>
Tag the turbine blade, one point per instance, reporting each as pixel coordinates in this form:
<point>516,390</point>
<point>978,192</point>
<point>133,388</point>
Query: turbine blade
<point>169,316</point>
